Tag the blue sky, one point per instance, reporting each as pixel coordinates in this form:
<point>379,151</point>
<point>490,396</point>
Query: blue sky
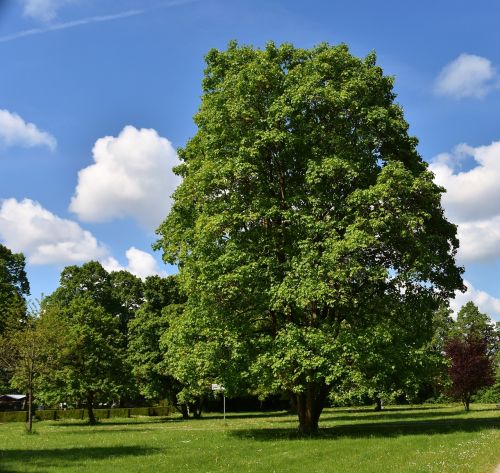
<point>95,96</point>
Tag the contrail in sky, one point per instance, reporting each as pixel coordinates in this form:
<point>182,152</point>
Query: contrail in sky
<point>69,24</point>
<point>85,21</point>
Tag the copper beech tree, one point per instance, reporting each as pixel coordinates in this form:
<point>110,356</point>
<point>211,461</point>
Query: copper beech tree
<point>471,368</point>
<point>305,213</point>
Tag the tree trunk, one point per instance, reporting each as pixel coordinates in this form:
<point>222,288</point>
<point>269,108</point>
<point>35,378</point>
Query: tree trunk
<point>184,411</point>
<point>466,402</point>
<point>30,407</point>
<point>198,406</point>
<point>310,404</point>
<point>90,409</point>
<point>378,403</point>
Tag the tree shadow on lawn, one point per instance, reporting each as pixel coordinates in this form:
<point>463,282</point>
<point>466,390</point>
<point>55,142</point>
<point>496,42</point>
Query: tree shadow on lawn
<point>378,429</point>
<point>381,415</point>
<point>355,410</point>
<point>96,432</point>
<point>243,415</point>
<point>106,422</point>
<point>64,459</point>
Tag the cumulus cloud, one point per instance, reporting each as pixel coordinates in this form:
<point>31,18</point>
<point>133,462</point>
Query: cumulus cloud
<point>131,177</point>
<point>140,263</point>
<point>472,199</point>
<point>14,131</point>
<point>43,237</point>
<point>488,304</point>
<point>44,10</point>
<point>466,76</point>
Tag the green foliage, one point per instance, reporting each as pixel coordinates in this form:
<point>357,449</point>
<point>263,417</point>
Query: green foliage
<point>472,322</point>
<point>145,354</point>
<point>30,353</point>
<point>14,287</point>
<point>91,365</point>
<point>127,295</point>
<point>119,294</point>
<point>304,211</point>
<point>90,280</point>
<point>492,393</point>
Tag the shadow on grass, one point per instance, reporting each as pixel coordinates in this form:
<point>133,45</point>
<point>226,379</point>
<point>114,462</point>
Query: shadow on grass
<point>355,410</point>
<point>393,414</point>
<point>378,429</point>
<point>64,459</point>
<point>116,431</point>
<point>124,422</point>
<point>246,415</point>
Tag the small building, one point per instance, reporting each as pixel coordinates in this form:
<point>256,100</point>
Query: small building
<point>12,402</point>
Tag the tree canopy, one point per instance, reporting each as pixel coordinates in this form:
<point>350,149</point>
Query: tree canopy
<point>305,212</point>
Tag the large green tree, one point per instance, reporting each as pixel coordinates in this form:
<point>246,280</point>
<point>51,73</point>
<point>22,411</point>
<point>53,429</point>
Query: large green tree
<point>304,212</point>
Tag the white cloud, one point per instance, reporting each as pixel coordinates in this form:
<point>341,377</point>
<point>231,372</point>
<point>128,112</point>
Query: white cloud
<point>479,241</point>
<point>472,199</point>
<point>488,304</point>
<point>132,177</point>
<point>466,76</point>
<point>14,131</point>
<point>44,10</point>
<point>140,263</point>
<point>44,237</point>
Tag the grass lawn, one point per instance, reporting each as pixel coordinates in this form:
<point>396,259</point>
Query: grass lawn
<point>400,439</point>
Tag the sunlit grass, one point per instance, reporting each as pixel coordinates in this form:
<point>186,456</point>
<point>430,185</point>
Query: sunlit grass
<point>400,439</point>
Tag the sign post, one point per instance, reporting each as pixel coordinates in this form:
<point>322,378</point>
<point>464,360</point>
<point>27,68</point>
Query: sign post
<point>220,388</point>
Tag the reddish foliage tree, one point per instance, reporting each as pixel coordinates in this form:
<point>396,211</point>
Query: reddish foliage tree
<point>471,367</point>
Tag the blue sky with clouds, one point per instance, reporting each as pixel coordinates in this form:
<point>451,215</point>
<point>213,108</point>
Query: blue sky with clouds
<point>95,96</point>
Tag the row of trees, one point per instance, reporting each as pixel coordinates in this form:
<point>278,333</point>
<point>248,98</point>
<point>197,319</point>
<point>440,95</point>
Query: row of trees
<point>111,338</point>
<point>96,339</point>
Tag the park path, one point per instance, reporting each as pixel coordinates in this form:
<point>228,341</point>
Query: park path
<point>497,469</point>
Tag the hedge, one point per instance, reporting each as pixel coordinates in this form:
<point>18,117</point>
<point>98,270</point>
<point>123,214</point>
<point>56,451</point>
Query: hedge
<point>56,414</point>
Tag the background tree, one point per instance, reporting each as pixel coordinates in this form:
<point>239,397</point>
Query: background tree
<point>90,280</point>
<point>127,294</point>
<point>471,367</point>
<point>14,288</point>
<point>471,322</point>
<point>30,352</point>
<point>145,353</point>
<point>304,211</point>
<point>119,294</point>
<point>91,366</point>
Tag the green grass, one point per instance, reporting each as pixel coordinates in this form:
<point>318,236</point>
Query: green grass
<point>400,439</point>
